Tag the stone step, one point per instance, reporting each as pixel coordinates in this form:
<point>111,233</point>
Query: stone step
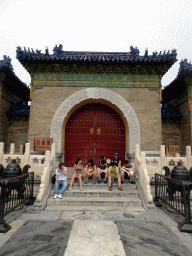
<point>90,185</point>
<point>75,192</point>
<point>96,201</point>
<point>93,208</point>
<point>91,180</point>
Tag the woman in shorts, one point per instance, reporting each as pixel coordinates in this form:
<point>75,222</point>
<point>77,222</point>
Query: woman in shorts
<point>78,171</point>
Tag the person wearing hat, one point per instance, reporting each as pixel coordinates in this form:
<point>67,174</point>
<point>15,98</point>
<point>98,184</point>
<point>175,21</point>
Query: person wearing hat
<point>117,160</point>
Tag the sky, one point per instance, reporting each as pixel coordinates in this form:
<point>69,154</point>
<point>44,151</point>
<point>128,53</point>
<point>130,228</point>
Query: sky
<point>107,25</point>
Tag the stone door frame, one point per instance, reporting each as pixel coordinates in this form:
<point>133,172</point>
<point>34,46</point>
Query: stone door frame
<point>95,93</point>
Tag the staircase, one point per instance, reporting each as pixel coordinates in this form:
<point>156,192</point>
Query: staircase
<point>96,197</point>
<point>36,186</point>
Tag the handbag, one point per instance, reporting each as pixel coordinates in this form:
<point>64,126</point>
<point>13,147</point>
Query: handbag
<point>53,179</point>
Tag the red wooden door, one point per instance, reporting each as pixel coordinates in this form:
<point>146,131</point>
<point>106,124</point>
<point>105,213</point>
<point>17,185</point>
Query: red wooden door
<point>94,130</point>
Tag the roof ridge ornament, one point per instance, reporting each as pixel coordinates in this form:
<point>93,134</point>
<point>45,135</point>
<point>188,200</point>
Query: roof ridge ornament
<point>6,62</point>
<point>134,51</point>
<point>58,49</point>
<point>154,54</point>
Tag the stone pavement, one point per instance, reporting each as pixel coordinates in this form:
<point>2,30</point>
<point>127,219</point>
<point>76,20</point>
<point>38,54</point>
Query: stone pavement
<point>112,233</point>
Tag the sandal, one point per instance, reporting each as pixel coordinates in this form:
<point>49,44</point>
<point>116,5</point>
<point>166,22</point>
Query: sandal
<point>81,188</point>
<point>70,188</point>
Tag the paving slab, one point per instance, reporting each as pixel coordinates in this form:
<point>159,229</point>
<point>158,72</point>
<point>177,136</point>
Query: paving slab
<point>94,238</point>
<point>15,214</point>
<point>39,238</point>
<point>150,238</point>
<point>14,226</point>
<point>41,215</point>
<point>143,232</point>
<point>102,215</point>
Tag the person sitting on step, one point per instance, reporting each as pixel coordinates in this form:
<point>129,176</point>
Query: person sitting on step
<point>102,158</point>
<point>90,171</point>
<point>114,174</point>
<point>102,171</point>
<point>117,160</point>
<point>60,178</point>
<point>78,171</point>
<point>127,170</point>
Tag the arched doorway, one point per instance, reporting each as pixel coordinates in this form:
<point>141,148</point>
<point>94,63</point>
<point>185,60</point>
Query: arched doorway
<point>91,94</point>
<point>93,130</point>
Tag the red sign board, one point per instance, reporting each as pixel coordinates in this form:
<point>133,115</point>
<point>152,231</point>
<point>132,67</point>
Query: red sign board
<point>42,144</point>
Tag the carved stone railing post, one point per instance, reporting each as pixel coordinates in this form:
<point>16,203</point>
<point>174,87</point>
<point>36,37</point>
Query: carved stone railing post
<point>12,149</point>
<point>189,157</point>
<point>47,157</point>
<point>27,154</point>
<point>163,161</point>
<point>1,152</point>
<point>21,149</point>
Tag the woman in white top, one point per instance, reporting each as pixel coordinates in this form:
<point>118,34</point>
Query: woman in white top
<point>61,178</point>
<point>90,171</point>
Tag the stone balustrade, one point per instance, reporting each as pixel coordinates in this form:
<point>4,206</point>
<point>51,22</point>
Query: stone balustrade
<point>142,175</point>
<point>42,165</point>
<point>146,167</point>
<point>47,172</point>
<point>156,164</point>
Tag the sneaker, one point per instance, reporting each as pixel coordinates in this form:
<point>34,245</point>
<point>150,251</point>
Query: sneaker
<point>122,181</point>
<point>120,188</point>
<point>60,196</point>
<point>132,182</point>
<point>55,196</point>
<point>110,188</point>
<point>86,182</point>
<point>99,182</point>
<point>105,182</point>
<point>94,182</point>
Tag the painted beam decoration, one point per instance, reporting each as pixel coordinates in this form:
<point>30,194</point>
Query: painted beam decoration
<point>42,144</point>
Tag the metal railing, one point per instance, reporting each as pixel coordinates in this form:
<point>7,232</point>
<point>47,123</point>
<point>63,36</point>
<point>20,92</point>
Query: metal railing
<point>176,194</point>
<point>14,192</point>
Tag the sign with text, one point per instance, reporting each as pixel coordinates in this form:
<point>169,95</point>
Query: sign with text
<point>173,149</point>
<point>42,144</point>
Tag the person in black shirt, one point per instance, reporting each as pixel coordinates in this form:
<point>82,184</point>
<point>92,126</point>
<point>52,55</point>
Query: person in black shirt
<point>117,160</point>
<point>103,171</point>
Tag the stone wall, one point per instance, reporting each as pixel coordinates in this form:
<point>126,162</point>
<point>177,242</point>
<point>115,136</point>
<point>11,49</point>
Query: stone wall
<point>19,136</point>
<point>4,125</point>
<point>170,136</point>
<point>185,128</point>
<point>144,101</point>
<point>181,102</point>
<point>7,97</point>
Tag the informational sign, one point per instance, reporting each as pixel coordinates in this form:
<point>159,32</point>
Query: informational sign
<point>43,144</point>
<point>173,149</point>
